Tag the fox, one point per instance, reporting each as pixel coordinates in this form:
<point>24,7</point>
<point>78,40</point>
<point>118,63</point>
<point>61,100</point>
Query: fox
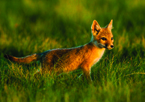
<point>69,59</point>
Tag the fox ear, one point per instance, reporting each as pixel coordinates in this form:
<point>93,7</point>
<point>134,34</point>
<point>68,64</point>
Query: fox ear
<point>109,26</point>
<point>95,26</point>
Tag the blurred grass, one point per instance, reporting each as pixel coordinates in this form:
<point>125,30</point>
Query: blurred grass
<point>30,26</point>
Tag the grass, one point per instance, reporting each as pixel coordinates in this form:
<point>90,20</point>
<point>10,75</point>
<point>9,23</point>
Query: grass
<point>28,26</point>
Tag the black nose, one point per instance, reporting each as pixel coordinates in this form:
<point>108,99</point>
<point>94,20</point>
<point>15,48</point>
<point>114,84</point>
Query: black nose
<point>112,46</point>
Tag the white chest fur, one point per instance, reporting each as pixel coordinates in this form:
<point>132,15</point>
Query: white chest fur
<point>98,56</point>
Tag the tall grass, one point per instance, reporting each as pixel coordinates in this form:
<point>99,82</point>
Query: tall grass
<point>28,26</point>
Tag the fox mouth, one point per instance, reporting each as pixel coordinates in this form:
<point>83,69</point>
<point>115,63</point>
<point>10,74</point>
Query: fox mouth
<point>110,47</point>
<point>106,47</point>
<point>103,46</point>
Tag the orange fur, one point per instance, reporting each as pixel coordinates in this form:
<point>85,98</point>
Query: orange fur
<point>66,60</point>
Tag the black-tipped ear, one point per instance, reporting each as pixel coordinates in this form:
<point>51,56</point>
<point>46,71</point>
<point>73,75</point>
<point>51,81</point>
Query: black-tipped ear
<point>95,26</point>
<point>110,25</point>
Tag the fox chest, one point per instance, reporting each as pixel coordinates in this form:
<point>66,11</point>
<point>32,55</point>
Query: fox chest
<point>96,56</point>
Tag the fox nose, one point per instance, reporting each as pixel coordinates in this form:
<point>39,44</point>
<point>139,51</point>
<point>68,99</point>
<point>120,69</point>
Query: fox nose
<point>112,46</point>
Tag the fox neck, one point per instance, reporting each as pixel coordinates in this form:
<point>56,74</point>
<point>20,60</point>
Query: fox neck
<point>100,50</point>
<point>96,50</point>
<point>94,42</point>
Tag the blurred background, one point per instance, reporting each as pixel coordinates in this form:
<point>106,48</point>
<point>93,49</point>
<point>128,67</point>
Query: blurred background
<point>28,26</point>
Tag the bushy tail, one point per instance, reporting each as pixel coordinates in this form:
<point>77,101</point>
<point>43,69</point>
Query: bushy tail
<point>26,60</point>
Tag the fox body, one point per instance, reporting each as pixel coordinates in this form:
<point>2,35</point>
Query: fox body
<point>69,59</point>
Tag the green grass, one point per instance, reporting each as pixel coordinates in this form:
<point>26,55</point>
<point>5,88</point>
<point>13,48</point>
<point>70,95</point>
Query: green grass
<point>29,26</point>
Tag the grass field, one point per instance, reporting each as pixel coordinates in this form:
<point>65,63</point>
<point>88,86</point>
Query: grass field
<point>29,26</point>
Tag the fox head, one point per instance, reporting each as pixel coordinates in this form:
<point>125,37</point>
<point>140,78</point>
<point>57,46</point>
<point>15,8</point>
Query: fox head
<point>102,37</point>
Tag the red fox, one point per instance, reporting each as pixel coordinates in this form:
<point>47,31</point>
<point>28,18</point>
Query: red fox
<point>69,59</point>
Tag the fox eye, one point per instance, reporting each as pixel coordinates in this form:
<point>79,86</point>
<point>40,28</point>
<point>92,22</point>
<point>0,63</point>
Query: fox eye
<point>112,38</point>
<point>103,38</point>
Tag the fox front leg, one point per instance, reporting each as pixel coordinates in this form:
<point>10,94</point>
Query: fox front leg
<point>87,74</point>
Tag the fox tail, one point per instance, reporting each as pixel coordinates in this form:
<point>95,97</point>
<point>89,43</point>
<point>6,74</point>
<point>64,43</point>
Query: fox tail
<point>25,60</point>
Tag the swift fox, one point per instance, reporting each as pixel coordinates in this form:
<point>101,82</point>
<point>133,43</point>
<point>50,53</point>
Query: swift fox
<point>69,59</point>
